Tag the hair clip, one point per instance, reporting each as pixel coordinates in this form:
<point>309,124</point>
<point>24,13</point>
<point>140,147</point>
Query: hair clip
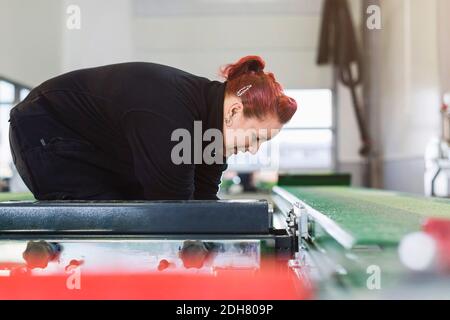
<point>242,91</point>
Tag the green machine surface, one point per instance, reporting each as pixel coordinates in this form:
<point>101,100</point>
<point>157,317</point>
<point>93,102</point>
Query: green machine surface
<point>376,221</point>
<point>7,196</point>
<point>335,179</point>
<point>372,217</point>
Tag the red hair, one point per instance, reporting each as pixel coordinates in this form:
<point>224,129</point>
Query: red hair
<point>265,96</point>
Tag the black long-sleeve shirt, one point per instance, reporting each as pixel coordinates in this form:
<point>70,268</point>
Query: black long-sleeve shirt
<point>129,111</point>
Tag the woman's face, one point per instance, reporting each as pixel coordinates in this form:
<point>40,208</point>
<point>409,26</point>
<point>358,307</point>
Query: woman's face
<point>242,134</point>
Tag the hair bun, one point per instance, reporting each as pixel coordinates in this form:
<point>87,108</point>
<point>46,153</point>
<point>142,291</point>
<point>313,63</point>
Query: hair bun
<point>256,64</point>
<point>287,107</point>
<point>245,65</point>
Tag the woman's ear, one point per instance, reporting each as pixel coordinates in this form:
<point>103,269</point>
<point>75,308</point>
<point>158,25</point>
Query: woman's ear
<point>236,108</point>
<point>232,108</point>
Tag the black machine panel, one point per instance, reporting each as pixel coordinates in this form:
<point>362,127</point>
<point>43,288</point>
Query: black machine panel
<point>146,218</point>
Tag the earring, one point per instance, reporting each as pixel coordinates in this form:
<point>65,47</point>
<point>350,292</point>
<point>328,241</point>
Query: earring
<point>228,122</point>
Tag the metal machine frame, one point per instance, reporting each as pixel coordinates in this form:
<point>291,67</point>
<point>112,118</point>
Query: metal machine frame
<point>147,220</point>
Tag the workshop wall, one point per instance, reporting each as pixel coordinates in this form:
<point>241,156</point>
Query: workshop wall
<point>409,94</point>
<point>201,43</point>
<point>197,39</point>
<point>104,36</point>
<point>30,33</point>
<point>443,7</point>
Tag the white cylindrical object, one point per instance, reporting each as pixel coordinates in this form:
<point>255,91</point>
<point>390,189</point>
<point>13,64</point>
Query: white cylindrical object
<point>418,252</point>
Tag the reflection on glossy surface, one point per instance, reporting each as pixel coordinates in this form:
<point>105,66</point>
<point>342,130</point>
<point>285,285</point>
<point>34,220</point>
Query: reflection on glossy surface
<point>42,258</point>
<point>195,254</point>
<point>38,254</point>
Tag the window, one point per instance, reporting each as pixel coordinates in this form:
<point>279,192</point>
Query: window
<point>305,144</point>
<point>11,93</point>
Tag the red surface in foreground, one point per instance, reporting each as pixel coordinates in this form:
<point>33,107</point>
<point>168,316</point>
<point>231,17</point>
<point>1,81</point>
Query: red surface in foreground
<point>439,229</point>
<point>226,285</point>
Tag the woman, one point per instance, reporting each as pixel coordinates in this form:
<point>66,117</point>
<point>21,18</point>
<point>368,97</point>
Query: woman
<point>107,133</point>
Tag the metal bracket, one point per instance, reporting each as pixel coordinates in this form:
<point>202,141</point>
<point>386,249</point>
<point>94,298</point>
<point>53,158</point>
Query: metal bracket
<point>316,218</point>
<point>301,214</point>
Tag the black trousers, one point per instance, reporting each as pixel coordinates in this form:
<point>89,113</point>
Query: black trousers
<point>58,164</point>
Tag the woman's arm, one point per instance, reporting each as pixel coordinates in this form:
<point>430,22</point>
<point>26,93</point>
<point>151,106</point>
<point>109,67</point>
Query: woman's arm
<point>149,137</point>
<point>207,181</point>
